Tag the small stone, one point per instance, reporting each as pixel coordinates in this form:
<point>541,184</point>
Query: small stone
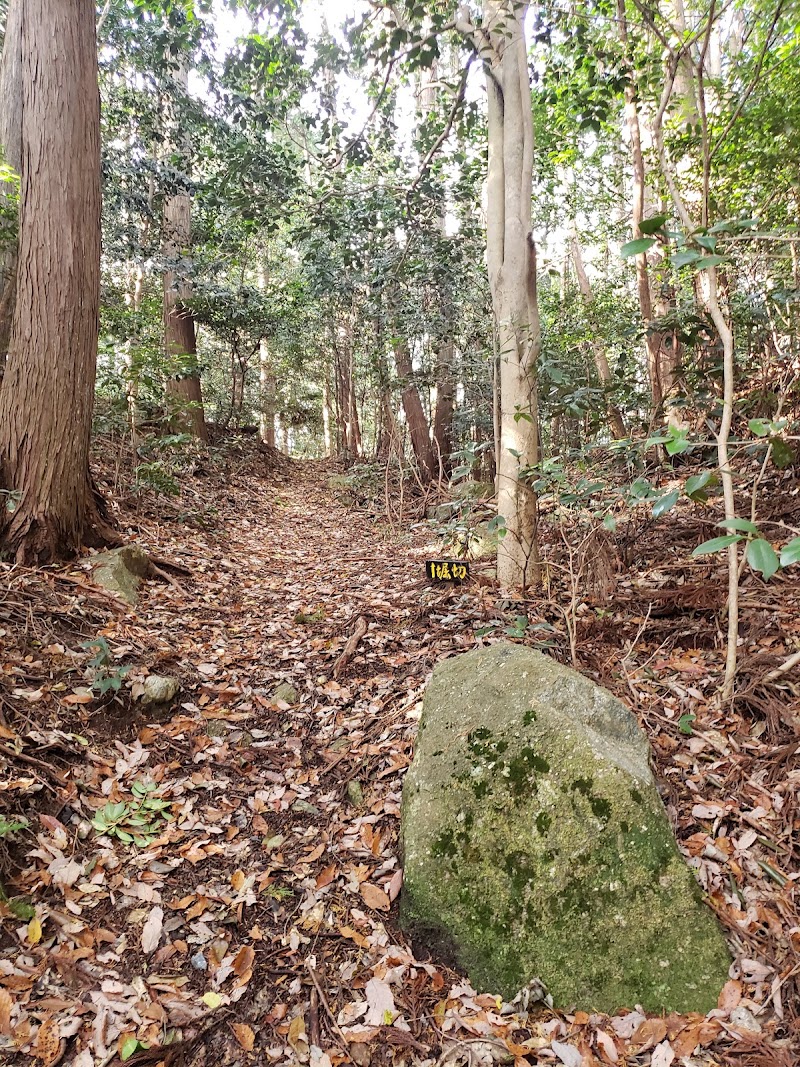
<point>743,1019</point>
<point>84,829</point>
<point>198,961</point>
<point>303,807</point>
<point>287,693</point>
<point>355,794</point>
<point>159,689</point>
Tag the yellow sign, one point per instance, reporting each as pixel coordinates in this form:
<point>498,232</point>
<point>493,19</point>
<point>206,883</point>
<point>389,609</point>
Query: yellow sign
<point>447,570</point>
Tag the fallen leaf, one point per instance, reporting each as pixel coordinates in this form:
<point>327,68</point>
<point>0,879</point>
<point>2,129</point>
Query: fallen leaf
<point>297,1035</point>
<point>244,960</point>
<point>380,1002</point>
<point>47,1045</point>
<point>326,876</point>
<point>244,1035</point>
<point>374,897</point>
<point>648,1034</point>
<point>663,1055</point>
<point>606,1047</point>
<point>211,999</point>
<point>151,931</point>
<point>730,996</point>
<point>34,932</point>
<point>568,1054</point>
<point>6,1004</point>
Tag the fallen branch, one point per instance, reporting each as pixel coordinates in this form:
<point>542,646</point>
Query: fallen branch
<point>787,665</point>
<point>352,644</point>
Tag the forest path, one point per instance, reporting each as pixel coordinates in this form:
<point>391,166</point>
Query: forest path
<point>262,918</point>
<point>259,925</point>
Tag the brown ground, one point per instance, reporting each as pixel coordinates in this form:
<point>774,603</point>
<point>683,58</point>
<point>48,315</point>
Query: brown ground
<point>260,924</point>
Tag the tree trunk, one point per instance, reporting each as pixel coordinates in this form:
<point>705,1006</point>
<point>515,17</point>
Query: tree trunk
<point>511,261</point>
<point>415,415</point>
<point>652,337</point>
<point>47,393</point>
<point>327,417</point>
<point>613,414</point>
<point>11,146</point>
<point>445,406</point>
<point>184,392</point>
<point>267,381</point>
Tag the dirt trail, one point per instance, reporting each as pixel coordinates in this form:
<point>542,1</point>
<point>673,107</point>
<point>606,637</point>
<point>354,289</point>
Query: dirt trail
<point>260,925</point>
<point>265,901</point>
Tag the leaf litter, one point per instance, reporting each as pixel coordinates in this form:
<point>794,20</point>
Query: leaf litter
<point>255,922</point>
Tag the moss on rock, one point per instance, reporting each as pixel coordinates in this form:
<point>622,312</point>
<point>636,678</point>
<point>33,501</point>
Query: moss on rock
<point>536,845</point>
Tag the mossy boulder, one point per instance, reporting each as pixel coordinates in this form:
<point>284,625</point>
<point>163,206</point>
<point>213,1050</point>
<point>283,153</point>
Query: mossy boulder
<point>536,846</point>
<point>121,570</point>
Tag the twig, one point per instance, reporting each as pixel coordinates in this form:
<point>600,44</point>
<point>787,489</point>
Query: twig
<point>352,644</point>
<point>787,665</point>
<point>324,1001</point>
<point>168,578</point>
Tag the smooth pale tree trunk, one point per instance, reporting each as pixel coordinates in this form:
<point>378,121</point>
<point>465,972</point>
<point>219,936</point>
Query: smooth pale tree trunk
<point>653,340</point>
<point>11,145</point>
<point>327,417</point>
<point>267,381</point>
<point>444,408</point>
<point>613,414</point>
<point>184,391</point>
<point>47,392</point>
<point>416,419</point>
<point>511,261</point>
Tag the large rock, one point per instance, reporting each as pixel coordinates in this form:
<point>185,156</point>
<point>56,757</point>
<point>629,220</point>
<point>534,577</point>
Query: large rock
<point>536,845</point>
<point>121,570</point>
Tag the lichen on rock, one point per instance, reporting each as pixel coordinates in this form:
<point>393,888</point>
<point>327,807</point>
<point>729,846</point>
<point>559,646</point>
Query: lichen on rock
<point>536,845</point>
<point>121,570</point>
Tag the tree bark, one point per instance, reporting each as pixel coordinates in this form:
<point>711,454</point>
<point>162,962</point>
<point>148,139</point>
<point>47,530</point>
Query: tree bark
<point>11,145</point>
<point>511,262</point>
<point>445,407</point>
<point>184,392</point>
<point>613,414</point>
<point>416,419</point>
<point>653,340</point>
<point>47,392</point>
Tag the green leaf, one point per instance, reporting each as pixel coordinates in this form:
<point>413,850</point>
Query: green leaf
<point>665,503</point>
<point>126,839</point>
<point>716,544</point>
<point>130,1046</point>
<point>696,486</point>
<point>743,525</point>
<point>685,722</point>
<point>782,454</point>
<point>610,523</point>
<point>22,908</point>
<point>635,248</point>
<point>709,243</point>
<point>760,427</point>
<point>762,557</point>
<point>790,553</point>
<point>684,258</point>
<point>678,442</point>
<point>652,225</point>
<point>710,261</point>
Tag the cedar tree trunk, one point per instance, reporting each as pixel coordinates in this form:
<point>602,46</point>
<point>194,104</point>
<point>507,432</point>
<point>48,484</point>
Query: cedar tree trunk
<point>47,392</point>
